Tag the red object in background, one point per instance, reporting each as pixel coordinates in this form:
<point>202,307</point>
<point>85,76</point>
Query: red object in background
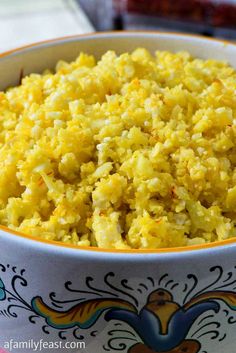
<point>224,15</point>
<point>210,12</point>
<point>190,10</point>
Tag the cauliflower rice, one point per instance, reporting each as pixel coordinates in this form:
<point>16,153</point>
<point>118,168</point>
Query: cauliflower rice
<point>133,151</point>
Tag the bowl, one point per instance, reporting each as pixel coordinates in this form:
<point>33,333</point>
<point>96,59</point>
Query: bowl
<point>58,297</point>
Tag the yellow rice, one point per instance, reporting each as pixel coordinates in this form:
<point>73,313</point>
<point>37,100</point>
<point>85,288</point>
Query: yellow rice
<point>133,151</point>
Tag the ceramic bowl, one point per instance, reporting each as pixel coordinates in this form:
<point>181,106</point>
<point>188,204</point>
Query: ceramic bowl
<point>90,300</point>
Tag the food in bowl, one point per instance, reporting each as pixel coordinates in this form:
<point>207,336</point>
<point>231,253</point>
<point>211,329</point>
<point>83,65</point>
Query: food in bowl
<point>133,151</point>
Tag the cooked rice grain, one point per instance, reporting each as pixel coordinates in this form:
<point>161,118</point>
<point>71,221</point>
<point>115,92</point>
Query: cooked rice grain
<point>133,151</point>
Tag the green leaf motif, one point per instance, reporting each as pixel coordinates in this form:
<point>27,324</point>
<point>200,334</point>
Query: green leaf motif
<point>2,290</point>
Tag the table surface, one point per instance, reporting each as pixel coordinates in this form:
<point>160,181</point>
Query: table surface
<point>26,21</point>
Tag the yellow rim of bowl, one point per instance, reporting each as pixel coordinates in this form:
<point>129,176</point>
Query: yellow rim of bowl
<point>101,250</point>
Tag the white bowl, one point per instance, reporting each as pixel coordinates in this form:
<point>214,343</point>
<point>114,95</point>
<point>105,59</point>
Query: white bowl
<point>57,293</point>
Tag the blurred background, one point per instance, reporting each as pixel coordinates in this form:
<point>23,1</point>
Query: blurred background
<point>27,21</point>
<point>207,17</point>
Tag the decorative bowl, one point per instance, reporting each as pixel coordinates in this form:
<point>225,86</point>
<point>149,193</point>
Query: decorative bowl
<point>56,297</point>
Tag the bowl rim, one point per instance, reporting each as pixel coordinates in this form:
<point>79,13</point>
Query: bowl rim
<point>60,245</point>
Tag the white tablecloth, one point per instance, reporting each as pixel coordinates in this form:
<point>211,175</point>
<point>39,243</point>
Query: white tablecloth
<point>27,21</point>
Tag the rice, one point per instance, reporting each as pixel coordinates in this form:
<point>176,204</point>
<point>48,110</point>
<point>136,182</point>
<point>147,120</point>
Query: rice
<point>133,151</point>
